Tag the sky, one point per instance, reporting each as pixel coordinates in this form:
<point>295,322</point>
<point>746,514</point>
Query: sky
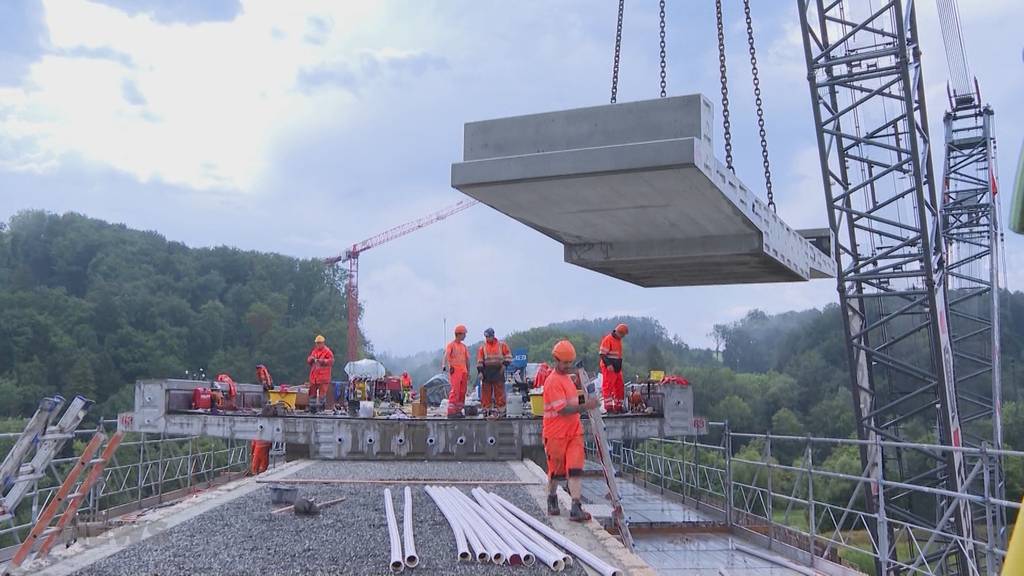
<point>302,127</point>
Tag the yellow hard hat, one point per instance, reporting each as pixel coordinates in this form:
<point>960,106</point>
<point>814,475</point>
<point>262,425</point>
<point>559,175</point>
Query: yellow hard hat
<point>319,338</point>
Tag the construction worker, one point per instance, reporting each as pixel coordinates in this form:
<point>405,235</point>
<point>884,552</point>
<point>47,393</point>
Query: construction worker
<point>320,360</point>
<point>406,387</point>
<point>542,374</point>
<point>612,388</point>
<point>491,359</point>
<point>260,456</point>
<point>563,431</point>
<point>456,364</point>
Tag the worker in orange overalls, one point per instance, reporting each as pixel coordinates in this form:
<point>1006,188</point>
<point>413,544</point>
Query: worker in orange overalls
<point>260,449</point>
<point>563,431</point>
<point>612,388</point>
<point>542,373</point>
<point>320,360</point>
<point>456,364</point>
<point>491,359</point>
<point>406,387</point>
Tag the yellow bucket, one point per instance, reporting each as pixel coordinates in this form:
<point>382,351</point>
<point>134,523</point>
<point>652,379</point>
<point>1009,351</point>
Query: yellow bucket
<point>287,398</point>
<point>657,375</point>
<point>537,403</point>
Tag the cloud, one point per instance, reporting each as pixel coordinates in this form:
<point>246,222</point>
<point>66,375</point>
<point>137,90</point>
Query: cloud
<point>23,34</point>
<point>176,11</point>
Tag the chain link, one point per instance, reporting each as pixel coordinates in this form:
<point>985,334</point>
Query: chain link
<point>760,108</point>
<point>726,124</point>
<point>663,74</point>
<point>618,49</point>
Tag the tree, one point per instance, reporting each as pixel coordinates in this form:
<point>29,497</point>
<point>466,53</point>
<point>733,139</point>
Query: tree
<point>655,359</point>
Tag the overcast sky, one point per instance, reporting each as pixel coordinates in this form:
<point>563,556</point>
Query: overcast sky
<point>302,127</point>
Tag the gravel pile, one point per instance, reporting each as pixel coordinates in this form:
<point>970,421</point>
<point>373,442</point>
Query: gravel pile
<point>243,537</point>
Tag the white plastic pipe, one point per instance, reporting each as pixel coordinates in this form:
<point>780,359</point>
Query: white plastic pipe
<point>460,535</point>
<point>495,545</point>
<point>397,564</point>
<point>527,531</point>
<point>587,558</point>
<point>480,551</point>
<point>506,533</point>
<point>540,548</point>
<point>408,544</point>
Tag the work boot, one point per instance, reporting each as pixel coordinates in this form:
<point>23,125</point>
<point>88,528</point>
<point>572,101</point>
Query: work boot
<point>578,514</point>
<point>553,505</point>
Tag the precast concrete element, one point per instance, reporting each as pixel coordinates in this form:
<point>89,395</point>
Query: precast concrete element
<point>342,437</point>
<point>634,191</point>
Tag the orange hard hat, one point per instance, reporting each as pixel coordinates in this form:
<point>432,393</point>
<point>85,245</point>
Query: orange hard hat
<point>564,351</point>
<point>460,329</point>
<point>622,329</point>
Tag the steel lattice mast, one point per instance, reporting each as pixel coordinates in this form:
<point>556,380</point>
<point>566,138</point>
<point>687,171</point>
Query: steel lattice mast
<point>867,91</point>
<point>970,230</point>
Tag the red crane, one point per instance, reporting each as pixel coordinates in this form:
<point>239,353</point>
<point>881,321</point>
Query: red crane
<point>352,257</point>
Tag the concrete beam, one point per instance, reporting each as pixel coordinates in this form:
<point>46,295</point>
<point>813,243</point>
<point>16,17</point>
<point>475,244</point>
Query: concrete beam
<point>634,191</point>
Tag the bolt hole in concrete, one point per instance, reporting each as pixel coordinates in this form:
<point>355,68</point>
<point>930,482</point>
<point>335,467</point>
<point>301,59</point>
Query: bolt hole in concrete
<point>370,440</point>
<point>431,440</point>
<point>491,440</point>
<point>401,440</point>
<point>340,439</point>
<point>461,440</point>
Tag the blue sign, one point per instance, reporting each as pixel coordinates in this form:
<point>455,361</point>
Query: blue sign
<point>518,359</point>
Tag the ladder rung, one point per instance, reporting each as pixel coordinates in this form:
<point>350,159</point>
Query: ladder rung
<point>98,461</point>
<point>58,436</point>
<point>73,495</point>
<point>48,531</point>
<point>30,477</point>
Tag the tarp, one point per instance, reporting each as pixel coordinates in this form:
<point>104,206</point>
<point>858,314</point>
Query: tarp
<point>365,369</point>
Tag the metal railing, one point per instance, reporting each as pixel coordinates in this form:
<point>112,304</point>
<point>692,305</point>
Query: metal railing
<point>145,470</point>
<point>808,495</point>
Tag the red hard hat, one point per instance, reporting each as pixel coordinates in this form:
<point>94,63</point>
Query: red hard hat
<point>564,351</point>
<point>460,329</point>
<point>622,329</point>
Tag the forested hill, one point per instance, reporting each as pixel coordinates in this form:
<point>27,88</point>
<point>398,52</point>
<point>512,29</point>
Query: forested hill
<point>88,307</point>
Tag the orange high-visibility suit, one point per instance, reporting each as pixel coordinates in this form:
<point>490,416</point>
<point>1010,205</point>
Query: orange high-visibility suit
<point>456,360</point>
<point>491,360</point>
<point>406,382</point>
<point>563,433</point>
<point>320,361</point>
<point>543,371</point>
<point>260,456</point>
<point>613,390</point>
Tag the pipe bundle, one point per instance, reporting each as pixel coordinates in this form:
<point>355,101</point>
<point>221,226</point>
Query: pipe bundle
<point>500,532</point>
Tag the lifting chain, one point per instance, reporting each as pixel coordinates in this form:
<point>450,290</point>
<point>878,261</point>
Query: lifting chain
<point>758,103</point>
<point>661,15</point>
<point>618,48</point>
<point>726,124</point>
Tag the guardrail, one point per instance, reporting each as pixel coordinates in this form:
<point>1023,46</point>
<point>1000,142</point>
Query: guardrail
<point>146,470</point>
<point>809,496</point>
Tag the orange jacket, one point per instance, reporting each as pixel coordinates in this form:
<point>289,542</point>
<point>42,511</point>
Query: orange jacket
<point>559,392</point>
<point>320,372</point>
<point>406,382</point>
<point>542,373</point>
<point>611,347</point>
<point>496,354</point>
<point>456,356</point>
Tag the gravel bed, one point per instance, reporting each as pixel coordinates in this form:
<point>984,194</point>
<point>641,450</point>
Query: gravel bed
<point>242,537</point>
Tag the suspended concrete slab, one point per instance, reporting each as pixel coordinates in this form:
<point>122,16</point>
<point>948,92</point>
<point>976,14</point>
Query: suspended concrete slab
<point>634,191</point>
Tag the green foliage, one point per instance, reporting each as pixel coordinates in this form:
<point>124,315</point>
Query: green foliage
<point>88,307</point>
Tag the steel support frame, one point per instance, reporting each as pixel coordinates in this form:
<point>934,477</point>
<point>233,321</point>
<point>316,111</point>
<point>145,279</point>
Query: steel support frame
<point>867,92</point>
<point>970,231</point>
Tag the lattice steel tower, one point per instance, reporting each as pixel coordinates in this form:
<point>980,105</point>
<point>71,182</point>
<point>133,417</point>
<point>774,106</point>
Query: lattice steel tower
<point>867,91</point>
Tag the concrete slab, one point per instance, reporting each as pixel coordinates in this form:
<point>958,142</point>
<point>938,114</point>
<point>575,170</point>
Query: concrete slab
<point>633,191</point>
